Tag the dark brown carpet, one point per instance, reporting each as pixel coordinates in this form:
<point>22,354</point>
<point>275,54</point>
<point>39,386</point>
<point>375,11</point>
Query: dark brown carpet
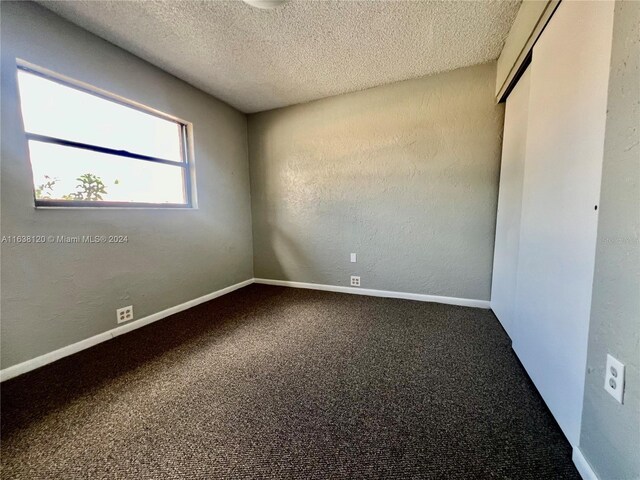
<point>269,382</point>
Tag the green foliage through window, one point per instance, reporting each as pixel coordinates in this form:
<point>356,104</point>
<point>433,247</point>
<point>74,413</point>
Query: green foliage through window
<point>45,189</point>
<point>91,188</point>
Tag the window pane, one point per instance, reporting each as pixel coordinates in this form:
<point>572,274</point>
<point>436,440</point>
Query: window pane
<point>56,110</point>
<point>56,170</point>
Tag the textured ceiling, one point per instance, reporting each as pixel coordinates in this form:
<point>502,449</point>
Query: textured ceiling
<point>258,59</point>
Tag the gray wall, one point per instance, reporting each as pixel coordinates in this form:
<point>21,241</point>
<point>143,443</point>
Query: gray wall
<point>55,295</point>
<point>405,175</point>
<point>610,435</point>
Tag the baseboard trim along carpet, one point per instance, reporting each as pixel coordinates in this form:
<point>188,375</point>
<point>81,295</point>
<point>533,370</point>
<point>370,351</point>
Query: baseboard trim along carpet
<point>274,382</point>
<point>464,302</point>
<point>581,463</point>
<point>28,365</point>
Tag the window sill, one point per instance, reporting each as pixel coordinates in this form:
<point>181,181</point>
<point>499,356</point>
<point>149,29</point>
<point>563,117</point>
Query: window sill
<point>42,207</point>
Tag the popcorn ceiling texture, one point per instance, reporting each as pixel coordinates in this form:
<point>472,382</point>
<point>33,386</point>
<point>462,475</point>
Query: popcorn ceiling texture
<point>263,59</point>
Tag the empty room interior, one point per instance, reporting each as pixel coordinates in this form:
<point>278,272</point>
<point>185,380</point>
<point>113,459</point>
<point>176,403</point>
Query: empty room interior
<point>320,239</point>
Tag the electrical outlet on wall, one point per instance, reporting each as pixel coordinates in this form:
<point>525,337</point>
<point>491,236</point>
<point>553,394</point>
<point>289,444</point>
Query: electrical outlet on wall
<point>124,314</point>
<point>614,378</point>
<point>355,281</point>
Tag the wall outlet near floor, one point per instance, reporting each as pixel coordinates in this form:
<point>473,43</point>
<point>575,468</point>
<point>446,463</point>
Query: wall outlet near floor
<point>124,314</point>
<point>355,281</point>
<point>354,258</point>
<point>614,378</point>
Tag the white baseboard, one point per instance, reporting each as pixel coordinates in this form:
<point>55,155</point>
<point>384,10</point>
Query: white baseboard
<point>581,463</point>
<point>465,302</point>
<point>27,366</point>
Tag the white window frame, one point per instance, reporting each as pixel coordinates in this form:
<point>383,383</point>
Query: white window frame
<point>186,146</point>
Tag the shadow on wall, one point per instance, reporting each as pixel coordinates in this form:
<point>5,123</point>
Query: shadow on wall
<point>287,257</point>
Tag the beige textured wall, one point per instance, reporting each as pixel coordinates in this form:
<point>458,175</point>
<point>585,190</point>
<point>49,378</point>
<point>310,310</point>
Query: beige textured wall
<point>610,436</point>
<point>54,295</point>
<point>405,175</point>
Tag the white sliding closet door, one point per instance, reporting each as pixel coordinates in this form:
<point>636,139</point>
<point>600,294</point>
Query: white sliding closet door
<point>505,257</point>
<point>564,149</point>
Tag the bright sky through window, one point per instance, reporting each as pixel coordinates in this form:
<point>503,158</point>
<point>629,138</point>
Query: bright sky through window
<point>76,144</point>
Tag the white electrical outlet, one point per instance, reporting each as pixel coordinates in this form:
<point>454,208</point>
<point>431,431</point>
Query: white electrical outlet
<point>353,258</point>
<point>124,314</point>
<point>355,281</point>
<point>614,378</point>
